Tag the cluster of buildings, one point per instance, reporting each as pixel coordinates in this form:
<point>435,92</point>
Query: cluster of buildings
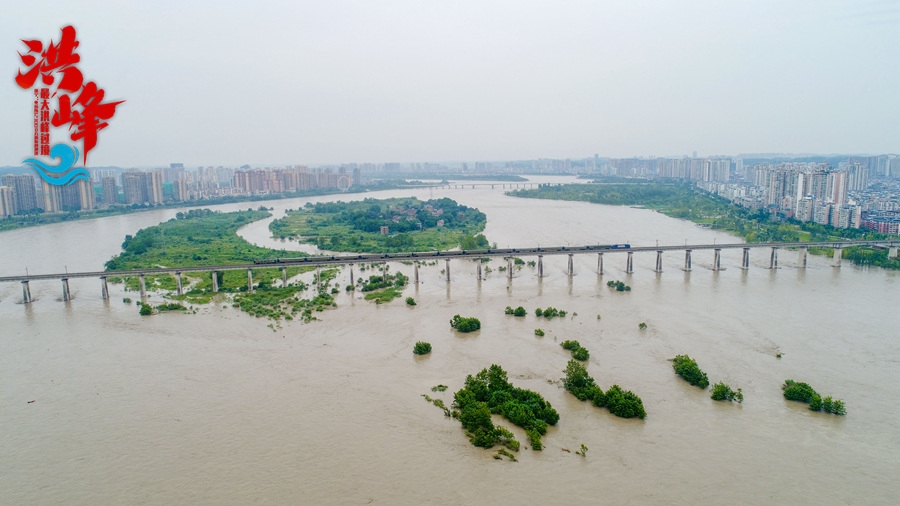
<point>296,178</point>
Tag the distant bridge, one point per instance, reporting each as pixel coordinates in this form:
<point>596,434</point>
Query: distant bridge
<point>508,253</point>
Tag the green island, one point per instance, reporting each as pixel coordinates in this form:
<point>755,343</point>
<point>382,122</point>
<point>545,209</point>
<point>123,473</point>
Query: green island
<point>204,237</point>
<point>620,402</point>
<point>618,286</point>
<point>384,288</point>
<point>687,202</point>
<point>519,311</point>
<point>687,368</point>
<point>490,392</point>
<point>423,348</point>
<point>723,392</point>
<point>384,226</point>
<point>802,392</point>
<point>549,313</point>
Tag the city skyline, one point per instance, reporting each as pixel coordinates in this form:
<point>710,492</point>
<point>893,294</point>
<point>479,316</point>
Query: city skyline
<point>278,84</point>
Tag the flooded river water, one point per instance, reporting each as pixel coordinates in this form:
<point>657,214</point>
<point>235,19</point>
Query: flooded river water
<point>102,406</point>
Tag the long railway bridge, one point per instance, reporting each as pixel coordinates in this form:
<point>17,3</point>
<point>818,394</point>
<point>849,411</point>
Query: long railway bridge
<point>509,254</point>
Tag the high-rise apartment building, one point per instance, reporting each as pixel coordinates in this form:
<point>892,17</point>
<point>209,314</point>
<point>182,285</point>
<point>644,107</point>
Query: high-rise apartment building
<point>24,194</point>
<point>7,202</point>
<point>110,193</point>
<point>142,187</point>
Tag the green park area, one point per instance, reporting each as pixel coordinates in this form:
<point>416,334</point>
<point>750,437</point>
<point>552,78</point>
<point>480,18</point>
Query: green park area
<point>385,226</point>
<point>690,203</point>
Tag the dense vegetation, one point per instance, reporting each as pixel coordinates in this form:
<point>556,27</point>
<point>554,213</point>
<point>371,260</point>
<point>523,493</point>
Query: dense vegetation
<point>413,225</point>
<point>489,392</point>
<point>465,324</point>
<point>802,392</point>
<point>539,332</point>
<point>622,403</point>
<point>423,348</point>
<point>519,311</point>
<point>549,313</point>
<point>687,368</point>
<point>578,352</point>
<point>690,203</point>
<point>723,392</point>
<point>618,286</point>
<point>385,287</point>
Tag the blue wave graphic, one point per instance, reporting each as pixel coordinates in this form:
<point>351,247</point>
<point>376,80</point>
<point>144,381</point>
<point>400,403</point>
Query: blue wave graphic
<point>64,173</point>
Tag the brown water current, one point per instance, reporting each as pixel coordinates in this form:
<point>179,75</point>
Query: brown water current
<point>217,408</point>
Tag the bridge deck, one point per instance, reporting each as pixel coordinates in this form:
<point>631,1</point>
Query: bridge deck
<point>433,255</point>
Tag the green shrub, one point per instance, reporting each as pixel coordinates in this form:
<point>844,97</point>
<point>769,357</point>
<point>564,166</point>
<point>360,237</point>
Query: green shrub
<point>642,326</point>
<point>410,301</point>
<point>581,354</point>
<point>688,369</point>
<point>723,392</point>
<point>570,345</point>
<point>439,388</point>
<point>624,403</point>
<point>146,309</point>
<point>539,332</point>
<point>422,348</point>
<point>126,300</point>
<point>465,324</point>
<point>520,311</point>
<point>538,312</point>
<point>798,391</point>
<point>579,382</point>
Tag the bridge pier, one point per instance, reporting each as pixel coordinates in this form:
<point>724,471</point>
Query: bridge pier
<point>284,275</point>
<point>26,292</point>
<point>838,253</point>
<point>447,268</point>
<point>717,259</point>
<point>687,260</point>
<point>104,288</point>
<point>629,263</point>
<point>478,268</point>
<point>509,267</point>
<point>416,271</point>
<point>658,268</point>
<point>540,266</point>
<point>178,286</point>
<point>249,280</point>
<point>745,260</point>
<point>67,295</point>
<point>773,259</point>
<point>571,266</point>
<point>802,261</point>
<point>892,252</point>
<point>215,281</point>
<point>143,287</point>
<point>600,263</point>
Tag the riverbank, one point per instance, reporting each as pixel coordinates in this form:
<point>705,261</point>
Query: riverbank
<point>690,203</point>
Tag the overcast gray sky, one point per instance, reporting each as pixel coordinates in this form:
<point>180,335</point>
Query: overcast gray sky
<point>266,82</point>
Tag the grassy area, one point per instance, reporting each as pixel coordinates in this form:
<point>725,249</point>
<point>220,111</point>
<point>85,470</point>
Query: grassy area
<point>413,225</point>
<point>690,203</point>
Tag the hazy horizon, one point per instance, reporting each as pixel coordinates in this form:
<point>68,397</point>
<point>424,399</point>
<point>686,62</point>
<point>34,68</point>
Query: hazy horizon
<point>274,83</point>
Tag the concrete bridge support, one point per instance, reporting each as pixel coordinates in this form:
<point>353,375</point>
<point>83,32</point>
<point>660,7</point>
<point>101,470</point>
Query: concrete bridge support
<point>26,292</point>
<point>687,260</point>
<point>104,288</point>
<point>284,275</point>
<point>249,280</point>
<point>509,267</point>
<point>478,268</point>
<point>600,263</point>
<point>416,271</point>
<point>540,266</point>
<point>67,295</point>
<point>745,260</point>
<point>629,263</point>
<point>143,287</point>
<point>571,266</point>
<point>802,261</point>
<point>892,252</point>
<point>447,268</point>
<point>773,259</point>
<point>384,271</point>
<point>215,281</point>
<point>178,286</point>
<point>658,268</point>
<point>717,259</point>
<point>838,253</point>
